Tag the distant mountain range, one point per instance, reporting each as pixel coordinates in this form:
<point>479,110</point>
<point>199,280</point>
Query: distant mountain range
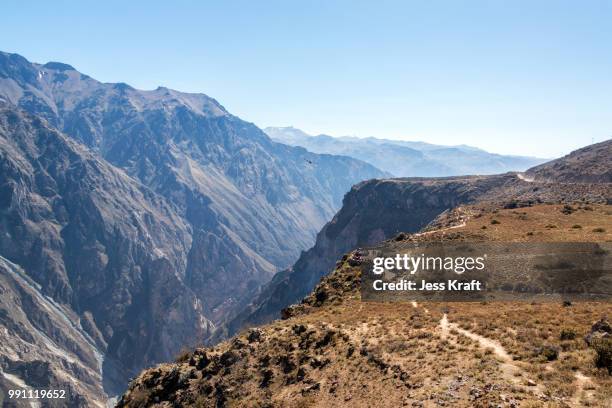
<point>404,158</point>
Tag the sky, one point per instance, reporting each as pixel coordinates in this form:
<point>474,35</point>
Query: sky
<point>515,77</point>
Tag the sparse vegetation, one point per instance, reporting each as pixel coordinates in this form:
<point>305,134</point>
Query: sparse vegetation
<point>495,222</point>
<point>603,350</point>
<point>567,334</point>
<point>567,209</point>
<point>386,348</point>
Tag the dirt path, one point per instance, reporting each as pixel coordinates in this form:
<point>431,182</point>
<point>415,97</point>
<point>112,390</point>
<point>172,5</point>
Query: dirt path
<point>444,326</point>
<point>582,382</point>
<point>509,368</point>
<point>420,234</point>
<point>523,177</point>
<point>498,349</point>
<point>511,372</point>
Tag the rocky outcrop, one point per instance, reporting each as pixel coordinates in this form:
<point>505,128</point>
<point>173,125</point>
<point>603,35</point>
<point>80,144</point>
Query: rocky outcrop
<point>587,165</point>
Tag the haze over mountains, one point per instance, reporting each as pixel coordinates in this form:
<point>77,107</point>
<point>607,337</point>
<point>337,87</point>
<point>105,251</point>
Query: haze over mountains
<point>146,216</point>
<point>404,158</point>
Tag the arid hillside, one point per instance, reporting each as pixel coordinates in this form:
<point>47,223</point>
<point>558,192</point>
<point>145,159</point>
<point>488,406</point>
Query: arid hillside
<point>333,349</point>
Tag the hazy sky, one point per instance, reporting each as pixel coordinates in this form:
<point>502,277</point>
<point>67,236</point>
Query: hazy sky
<point>526,77</point>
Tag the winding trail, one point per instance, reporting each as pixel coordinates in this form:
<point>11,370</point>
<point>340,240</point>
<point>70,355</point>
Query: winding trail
<point>522,176</point>
<point>509,368</point>
<point>498,349</point>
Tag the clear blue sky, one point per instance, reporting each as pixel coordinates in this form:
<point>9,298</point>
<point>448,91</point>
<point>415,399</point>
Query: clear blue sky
<point>525,77</point>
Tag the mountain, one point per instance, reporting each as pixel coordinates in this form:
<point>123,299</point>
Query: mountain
<point>404,158</point>
<point>334,349</point>
<point>589,164</point>
<point>379,209</point>
<point>147,216</point>
<point>93,265</point>
<point>253,204</point>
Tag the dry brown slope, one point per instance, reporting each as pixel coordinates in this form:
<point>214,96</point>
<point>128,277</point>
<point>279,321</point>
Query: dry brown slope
<point>334,350</point>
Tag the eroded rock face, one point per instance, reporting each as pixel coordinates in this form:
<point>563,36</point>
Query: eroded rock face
<point>148,215</point>
<point>252,204</point>
<point>106,248</point>
<point>371,211</point>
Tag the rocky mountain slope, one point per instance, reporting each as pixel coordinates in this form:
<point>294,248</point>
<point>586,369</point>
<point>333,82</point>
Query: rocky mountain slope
<point>253,204</point>
<point>105,250</point>
<point>590,164</point>
<point>333,349</point>
<point>379,209</point>
<point>406,159</point>
<point>144,216</point>
<point>44,346</point>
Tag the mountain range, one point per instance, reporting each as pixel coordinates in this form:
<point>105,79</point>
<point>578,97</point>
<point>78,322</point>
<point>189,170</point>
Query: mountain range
<point>145,216</point>
<point>135,224</point>
<point>405,158</point>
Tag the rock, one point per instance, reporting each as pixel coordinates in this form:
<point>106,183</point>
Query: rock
<point>266,378</point>
<point>475,393</point>
<point>228,358</point>
<point>311,388</point>
<point>601,329</point>
<point>531,383</point>
<point>254,336</point>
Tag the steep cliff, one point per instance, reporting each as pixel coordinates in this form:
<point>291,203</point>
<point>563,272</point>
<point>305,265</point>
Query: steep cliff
<point>106,248</point>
